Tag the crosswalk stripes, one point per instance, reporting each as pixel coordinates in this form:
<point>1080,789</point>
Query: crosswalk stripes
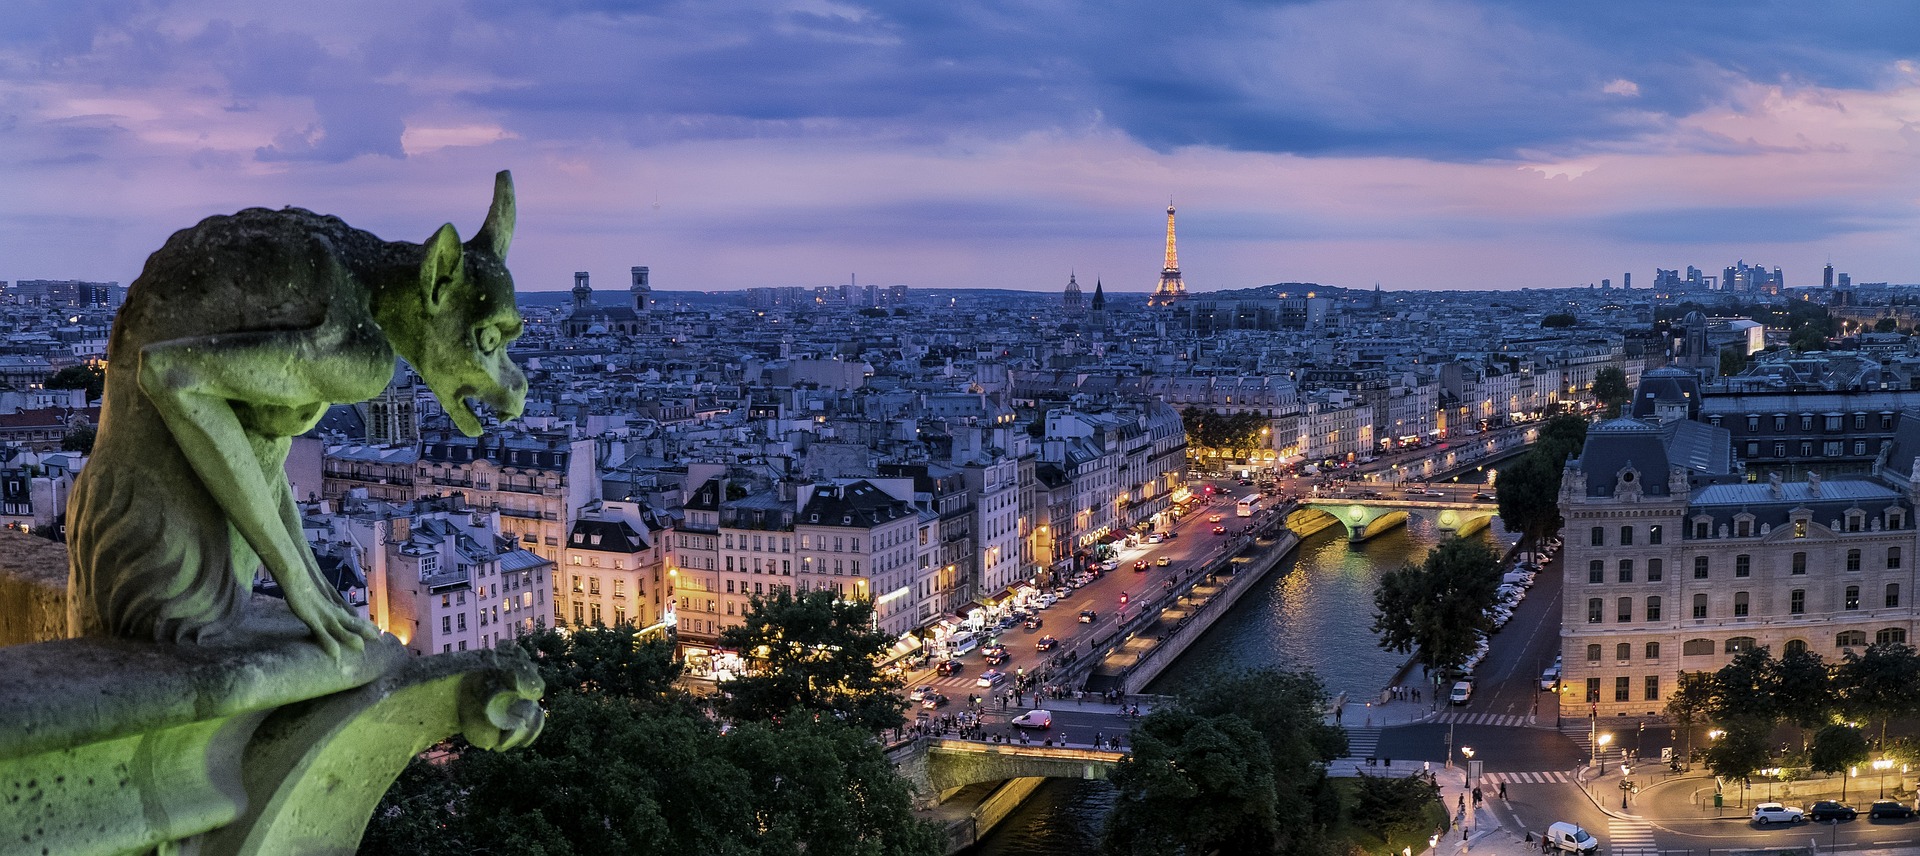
<point>1551,777</point>
<point>1362,742</point>
<point>1631,838</point>
<point>1500,719</point>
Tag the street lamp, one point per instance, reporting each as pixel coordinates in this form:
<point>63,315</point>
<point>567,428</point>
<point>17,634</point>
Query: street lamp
<point>1598,742</point>
<point>1882,766</point>
<point>1468,752</point>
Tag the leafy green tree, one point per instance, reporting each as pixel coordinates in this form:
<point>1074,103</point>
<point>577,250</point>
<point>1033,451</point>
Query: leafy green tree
<point>1558,320</point>
<point>1732,361</point>
<point>79,440</point>
<point>1194,785</point>
<point>614,660</point>
<point>1803,685</point>
<point>1836,748</point>
<point>1745,689</point>
<point>1691,702</point>
<point>1528,493</point>
<point>1438,610</point>
<point>87,376</point>
<point>1738,752</point>
<point>1610,389</point>
<point>812,652</point>
<point>1884,682</point>
<point>1388,805</point>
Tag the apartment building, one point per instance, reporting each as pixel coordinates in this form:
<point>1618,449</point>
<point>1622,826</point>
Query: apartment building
<point>613,568</point>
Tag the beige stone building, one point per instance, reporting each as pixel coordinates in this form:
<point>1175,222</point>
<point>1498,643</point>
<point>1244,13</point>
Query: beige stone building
<point>1674,562</point>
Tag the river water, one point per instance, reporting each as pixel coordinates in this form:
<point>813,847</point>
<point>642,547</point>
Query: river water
<point>1312,612</point>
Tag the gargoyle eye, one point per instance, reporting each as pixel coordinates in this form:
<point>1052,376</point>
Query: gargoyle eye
<point>487,337</point>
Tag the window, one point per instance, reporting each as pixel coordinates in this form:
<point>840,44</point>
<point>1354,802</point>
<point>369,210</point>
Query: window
<point>1700,528</point>
<point>1623,651</point>
<point>1653,534</point>
<point>1740,604</point>
<point>1852,599</point>
<point>593,614</point>
<point>1593,690</point>
<point>1699,567</point>
<point>1653,688</point>
<point>1806,422</point>
<point>1700,606</point>
<point>1800,562</point>
<point>1599,536</point>
<point>1797,602</point>
<point>1859,447</point>
<point>1594,606</point>
<point>1753,449</point>
<point>446,624</point>
<point>1893,595</point>
<point>1626,536</point>
<point>1654,570</point>
<point>1850,639</point>
<point>1696,647</point>
<point>1653,608</point>
<point>1624,612</point>
<point>729,586</point>
<point>1779,422</point>
<point>1743,526</point>
<point>1653,650</point>
<point>1626,570</point>
<point>579,613</point>
<point>1621,686</point>
<point>1596,571</point>
<point>1739,643</point>
<point>593,586</point>
<point>619,589</point>
<point>1753,423</point>
<point>1893,558</point>
<point>1593,653</point>
<point>1890,635</point>
<point>1853,556</point>
<point>1779,450</point>
<point>1742,565</point>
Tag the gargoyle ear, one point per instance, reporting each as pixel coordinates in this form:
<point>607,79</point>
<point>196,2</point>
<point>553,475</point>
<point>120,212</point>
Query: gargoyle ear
<point>442,266</point>
<point>497,232</point>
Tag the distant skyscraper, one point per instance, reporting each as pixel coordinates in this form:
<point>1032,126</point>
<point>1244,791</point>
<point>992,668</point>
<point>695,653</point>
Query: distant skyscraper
<point>1826,276</point>
<point>1626,280</point>
<point>1070,301</point>
<point>1171,289</point>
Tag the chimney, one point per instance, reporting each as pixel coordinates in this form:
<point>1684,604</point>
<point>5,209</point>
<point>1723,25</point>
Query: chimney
<point>1813,484</point>
<point>1773,485</point>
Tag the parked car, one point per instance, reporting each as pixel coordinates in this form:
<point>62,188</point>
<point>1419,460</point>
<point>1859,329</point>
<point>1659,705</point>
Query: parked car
<point>1462,691</point>
<point>1045,643</point>
<point>1550,679</point>
<point>1889,808</point>
<point>1570,838</point>
<point>1037,719</point>
<point>989,677</point>
<point>1773,812</point>
<point>1087,616</point>
<point>1830,810</point>
<point>1163,561</point>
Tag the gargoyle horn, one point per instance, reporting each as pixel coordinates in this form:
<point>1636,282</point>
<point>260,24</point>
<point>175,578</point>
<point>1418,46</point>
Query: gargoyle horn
<point>497,232</point>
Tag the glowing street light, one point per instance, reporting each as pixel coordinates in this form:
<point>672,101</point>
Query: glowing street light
<point>1599,741</point>
<point>1882,766</point>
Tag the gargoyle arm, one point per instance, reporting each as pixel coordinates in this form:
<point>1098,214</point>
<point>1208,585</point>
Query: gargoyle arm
<point>193,384</point>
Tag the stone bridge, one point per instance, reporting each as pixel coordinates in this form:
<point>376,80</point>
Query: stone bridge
<point>939,766</point>
<point>1365,518</point>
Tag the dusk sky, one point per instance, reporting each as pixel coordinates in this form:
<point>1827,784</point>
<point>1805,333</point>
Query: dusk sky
<point>948,144</point>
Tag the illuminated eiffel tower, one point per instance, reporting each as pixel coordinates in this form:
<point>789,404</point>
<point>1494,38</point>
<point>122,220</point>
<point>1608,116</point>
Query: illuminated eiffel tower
<point>1171,289</point>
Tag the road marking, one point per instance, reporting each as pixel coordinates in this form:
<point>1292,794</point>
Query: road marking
<point>1631,838</point>
<point>1540,778</point>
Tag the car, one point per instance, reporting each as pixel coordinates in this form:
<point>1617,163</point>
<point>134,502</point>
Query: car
<point>995,658</point>
<point>1172,534</point>
<point>1214,518</point>
<point>989,677</point>
<point>933,701</point>
<point>1246,481</point>
<point>949,668</point>
<point>1830,810</point>
<point>1773,812</point>
<point>1483,496</point>
<point>1087,616</point>
<point>1033,622</point>
<point>1048,599</point>
<point>1550,679</point>
<point>1140,566</point>
<point>1163,561</point>
<point>1045,643</point>
<point>920,693</point>
<point>1462,691</point>
<point>1432,492</point>
<point>1110,565</point>
<point>1570,838</point>
<point>1156,538</point>
<point>1889,808</point>
<point>1219,530</point>
<point>1036,719</point>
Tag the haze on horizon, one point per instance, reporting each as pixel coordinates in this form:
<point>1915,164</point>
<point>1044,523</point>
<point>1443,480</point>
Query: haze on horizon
<point>726,145</point>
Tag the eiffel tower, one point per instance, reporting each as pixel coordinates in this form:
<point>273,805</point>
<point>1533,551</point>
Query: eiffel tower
<point>1170,290</point>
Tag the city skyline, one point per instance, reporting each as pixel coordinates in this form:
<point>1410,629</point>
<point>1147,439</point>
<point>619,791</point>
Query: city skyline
<point>1420,145</point>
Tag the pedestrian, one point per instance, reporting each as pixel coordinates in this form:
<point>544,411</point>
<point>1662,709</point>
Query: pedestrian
<point>1476,795</point>
<point>1503,790</point>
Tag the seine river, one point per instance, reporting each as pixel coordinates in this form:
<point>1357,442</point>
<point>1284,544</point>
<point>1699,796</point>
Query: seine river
<point>1314,610</point>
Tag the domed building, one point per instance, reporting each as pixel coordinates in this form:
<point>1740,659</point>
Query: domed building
<point>589,319</point>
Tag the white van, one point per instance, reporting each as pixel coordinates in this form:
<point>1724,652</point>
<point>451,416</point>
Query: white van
<point>1040,719</point>
<point>1570,838</point>
<point>961,643</point>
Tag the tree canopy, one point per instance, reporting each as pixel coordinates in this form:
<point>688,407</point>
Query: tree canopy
<point>1528,490</point>
<point>629,764</point>
<point>1234,433</point>
<point>1610,389</point>
<point>1437,610</point>
<point>87,376</point>
<point>1560,320</point>
<point>812,652</point>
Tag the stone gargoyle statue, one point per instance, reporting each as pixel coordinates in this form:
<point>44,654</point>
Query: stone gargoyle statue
<point>237,336</point>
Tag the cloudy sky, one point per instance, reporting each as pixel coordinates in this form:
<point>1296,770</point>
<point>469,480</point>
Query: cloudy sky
<point>1005,143</point>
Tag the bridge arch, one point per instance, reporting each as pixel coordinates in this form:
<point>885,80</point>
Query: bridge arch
<point>939,767</point>
<point>1364,519</point>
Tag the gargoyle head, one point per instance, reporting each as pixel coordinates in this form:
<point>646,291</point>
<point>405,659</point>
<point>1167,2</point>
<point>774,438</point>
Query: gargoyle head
<point>458,341</point>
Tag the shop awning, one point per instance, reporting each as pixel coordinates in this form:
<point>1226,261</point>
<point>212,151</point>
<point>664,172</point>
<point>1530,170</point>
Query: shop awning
<point>901,647</point>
